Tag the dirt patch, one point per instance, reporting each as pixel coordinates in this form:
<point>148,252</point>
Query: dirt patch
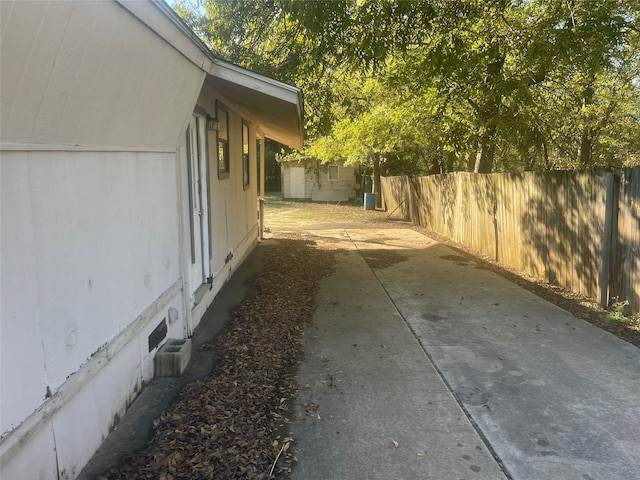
<point>232,425</point>
<point>288,216</point>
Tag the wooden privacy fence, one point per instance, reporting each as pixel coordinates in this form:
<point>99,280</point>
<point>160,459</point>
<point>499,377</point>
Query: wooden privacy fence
<point>580,231</point>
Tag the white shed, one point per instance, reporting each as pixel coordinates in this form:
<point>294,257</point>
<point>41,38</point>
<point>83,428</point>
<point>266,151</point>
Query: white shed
<point>310,180</point>
<point>128,197</point>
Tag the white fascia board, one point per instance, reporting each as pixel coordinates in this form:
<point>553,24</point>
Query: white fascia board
<point>241,76</point>
<point>266,86</point>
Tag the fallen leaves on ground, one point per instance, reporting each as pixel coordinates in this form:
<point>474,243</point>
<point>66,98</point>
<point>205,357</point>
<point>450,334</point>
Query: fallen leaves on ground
<point>229,425</point>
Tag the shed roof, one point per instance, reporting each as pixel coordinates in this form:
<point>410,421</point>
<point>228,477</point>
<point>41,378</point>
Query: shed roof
<point>276,107</point>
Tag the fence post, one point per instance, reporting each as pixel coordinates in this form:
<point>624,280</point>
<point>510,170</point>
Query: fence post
<point>608,255</point>
<point>406,189</point>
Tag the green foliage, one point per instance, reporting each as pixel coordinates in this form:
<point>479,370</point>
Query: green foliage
<point>424,86</point>
<point>615,315</point>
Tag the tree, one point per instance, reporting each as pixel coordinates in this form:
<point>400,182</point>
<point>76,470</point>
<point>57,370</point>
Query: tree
<point>491,61</point>
<point>389,130</point>
<point>501,85</point>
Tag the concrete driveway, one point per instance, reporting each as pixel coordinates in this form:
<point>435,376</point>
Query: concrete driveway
<point>428,367</point>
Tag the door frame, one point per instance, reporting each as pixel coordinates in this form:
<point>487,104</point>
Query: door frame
<point>198,179</point>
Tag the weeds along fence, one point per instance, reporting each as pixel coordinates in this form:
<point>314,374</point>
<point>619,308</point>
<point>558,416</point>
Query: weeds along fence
<point>580,231</point>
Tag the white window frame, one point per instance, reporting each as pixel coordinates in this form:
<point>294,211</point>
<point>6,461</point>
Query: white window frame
<point>337,170</point>
<point>224,160</point>
<point>246,162</point>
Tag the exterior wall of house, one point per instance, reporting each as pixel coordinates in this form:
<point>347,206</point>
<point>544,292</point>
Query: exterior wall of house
<point>94,268</point>
<point>318,187</point>
<point>94,105</point>
<point>233,208</point>
<point>89,73</point>
<point>95,221</point>
<point>94,242</point>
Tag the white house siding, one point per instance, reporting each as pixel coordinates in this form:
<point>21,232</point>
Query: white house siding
<point>318,187</point>
<point>233,209</point>
<point>93,107</point>
<point>96,99</point>
<point>93,243</point>
<point>87,72</point>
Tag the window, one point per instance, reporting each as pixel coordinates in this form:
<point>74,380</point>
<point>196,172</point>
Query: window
<point>333,173</point>
<point>246,179</point>
<point>223,141</point>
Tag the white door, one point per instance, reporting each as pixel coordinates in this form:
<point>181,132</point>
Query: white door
<point>297,182</point>
<point>198,202</point>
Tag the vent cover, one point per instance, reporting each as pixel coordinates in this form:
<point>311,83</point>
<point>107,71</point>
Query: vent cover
<point>158,334</point>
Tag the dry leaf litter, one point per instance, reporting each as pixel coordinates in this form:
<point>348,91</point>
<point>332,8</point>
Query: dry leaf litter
<point>232,425</point>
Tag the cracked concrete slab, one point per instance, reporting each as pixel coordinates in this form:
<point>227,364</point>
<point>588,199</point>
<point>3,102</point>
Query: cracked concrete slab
<point>371,404</point>
<point>554,396</point>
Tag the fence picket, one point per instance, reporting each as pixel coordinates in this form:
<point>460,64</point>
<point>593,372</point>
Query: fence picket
<point>580,231</point>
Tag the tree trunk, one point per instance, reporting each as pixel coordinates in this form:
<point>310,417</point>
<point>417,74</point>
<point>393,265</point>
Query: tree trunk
<point>488,111</point>
<point>586,146</point>
<point>486,150</point>
<point>377,187</point>
<point>545,151</point>
<point>472,156</point>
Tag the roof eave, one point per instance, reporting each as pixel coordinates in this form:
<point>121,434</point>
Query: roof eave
<point>176,32</point>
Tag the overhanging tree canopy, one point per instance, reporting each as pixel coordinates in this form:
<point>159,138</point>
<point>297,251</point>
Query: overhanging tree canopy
<point>459,84</point>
